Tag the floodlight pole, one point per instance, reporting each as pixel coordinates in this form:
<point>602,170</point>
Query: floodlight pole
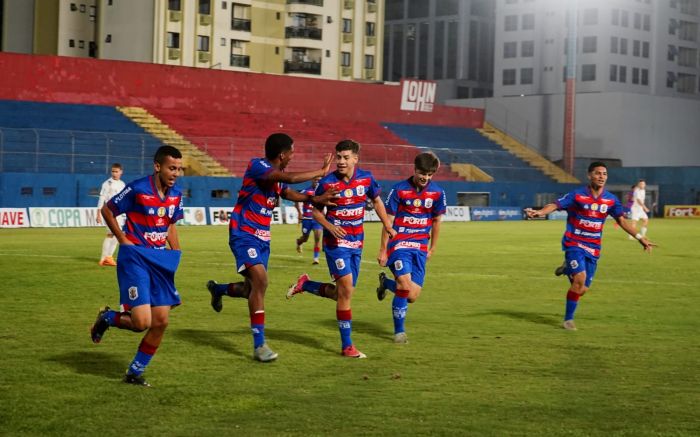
<point>570,97</point>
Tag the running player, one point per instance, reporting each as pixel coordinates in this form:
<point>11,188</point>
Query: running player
<point>587,208</point>
<point>145,271</point>
<point>415,206</point>
<point>264,182</point>
<point>110,187</point>
<point>343,236</point>
<point>308,224</point>
<point>639,210</point>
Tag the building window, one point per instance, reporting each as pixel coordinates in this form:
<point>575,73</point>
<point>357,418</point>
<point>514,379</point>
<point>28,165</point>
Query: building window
<point>511,23</point>
<point>637,20</point>
<point>613,44</point>
<point>83,8</point>
<point>205,7</point>
<point>590,17</point>
<point>202,43</point>
<point>671,53</point>
<point>623,46</point>
<point>687,57</point>
<point>528,21</point>
<point>622,76</point>
<point>108,38</point>
<point>635,76</point>
<point>647,22</point>
<point>613,73</point>
<point>645,77</point>
<point>670,79</point>
<point>224,5</point>
<point>688,31</point>
<point>615,17</point>
<point>71,43</point>
<point>344,59</point>
<point>347,25</point>
<point>509,76</point>
<point>624,18</point>
<point>587,72</point>
<point>686,83</point>
<point>527,49</point>
<point>672,26</point>
<point>590,44</point>
<point>526,76</point>
<point>636,48</point>
<point>174,5</point>
<point>510,49</point>
<point>369,62</point>
<point>73,7</point>
<point>173,40</point>
<point>645,49</point>
<point>223,42</point>
<point>81,44</point>
<point>369,28</point>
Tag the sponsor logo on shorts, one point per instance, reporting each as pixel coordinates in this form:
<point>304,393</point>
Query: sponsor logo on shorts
<point>398,265</point>
<point>133,293</point>
<point>340,264</point>
<point>252,253</point>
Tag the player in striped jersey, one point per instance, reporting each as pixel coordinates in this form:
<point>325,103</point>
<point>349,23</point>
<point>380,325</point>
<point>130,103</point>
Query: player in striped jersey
<point>264,182</point>
<point>308,224</point>
<point>145,271</point>
<point>343,236</point>
<point>587,208</point>
<point>415,207</point>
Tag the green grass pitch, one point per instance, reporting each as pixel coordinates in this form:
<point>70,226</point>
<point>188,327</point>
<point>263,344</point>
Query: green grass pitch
<point>486,354</point>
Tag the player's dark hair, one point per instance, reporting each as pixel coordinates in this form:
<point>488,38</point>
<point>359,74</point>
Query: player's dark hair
<point>426,162</point>
<point>350,145</point>
<point>164,151</point>
<point>641,180</point>
<point>276,144</point>
<point>595,164</point>
<point>117,165</point>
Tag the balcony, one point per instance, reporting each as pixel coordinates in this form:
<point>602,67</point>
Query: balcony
<point>306,67</point>
<point>173,53</point>
<point>347,37</point>
<point>303,32</point>
<point>370,40</point>
<point>174,15</point>
<point>305,2</point>
<point>242,61</point>
<point>368,73</point>
<point>348,4</point>
<point>203,56</point>
<point>241,24</point>
<point>346,71</point>
<point>205,20</point>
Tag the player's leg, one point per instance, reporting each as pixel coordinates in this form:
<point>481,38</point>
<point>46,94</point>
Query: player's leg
<point>577,272</point>
<point>317,245</point>
<point>644,223</point>
<point>109,244</point>
<point>320,289</point>
<point>349,267</point>
<point>246,252</point>
<point>158,320</point>
<point>257,275</point>
<point>305,230</point>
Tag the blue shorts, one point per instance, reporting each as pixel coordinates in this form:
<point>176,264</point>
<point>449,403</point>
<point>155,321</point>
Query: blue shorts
<point>249,250</point>
<point>343,262</point>
<point>308,225</point>
<point>407,261</point>
<point>577,261</point>
<point>147,276</point>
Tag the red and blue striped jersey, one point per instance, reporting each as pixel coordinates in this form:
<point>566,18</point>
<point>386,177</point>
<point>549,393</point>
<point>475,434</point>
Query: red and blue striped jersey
<point>586,218</point>
<point>148,216</point>
<point>307,207</point>
<point>256,200</point>
<point>414,213</point>
<point>349,213</point>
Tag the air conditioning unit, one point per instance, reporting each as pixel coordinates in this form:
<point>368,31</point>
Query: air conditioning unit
<point>369,73</point>
<point>203,56</point>
<point>370,40</point>
<point>173,53</point>
<point>347,37</point>
<point>175,15</point>
<point>346,71</point>
<point>205,20</point>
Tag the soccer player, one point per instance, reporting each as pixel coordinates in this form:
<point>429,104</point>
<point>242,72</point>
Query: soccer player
<point>264,182</point>
<point>343,236</point>
<point>110,187</point>
<point>415,207</point>
<point>145,270</point>
<point>587,208</point>
<point>638,210</point>
<point>308,224</point>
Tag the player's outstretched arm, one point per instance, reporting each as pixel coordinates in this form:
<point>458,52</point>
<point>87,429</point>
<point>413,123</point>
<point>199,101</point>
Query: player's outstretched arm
<point>295,177</point>
<point>113,226</point>
<point>325,199</point>
<point>547,209</point>
<point>381,212</point>
<point>646,244</point>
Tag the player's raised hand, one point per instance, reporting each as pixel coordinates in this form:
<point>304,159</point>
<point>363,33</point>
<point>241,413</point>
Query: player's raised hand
<point>327,161</point>
<point>646,244</point>
<point>532,213</point>
<point>327,198</point>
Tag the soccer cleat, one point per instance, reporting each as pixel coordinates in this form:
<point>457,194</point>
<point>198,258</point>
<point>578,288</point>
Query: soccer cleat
<point>297,288</point>
<point>216,301</point>
<point>136,380</point>
<point>401,338</point>
<point>381,290</point>
<point>352,352</point>
<point>108,261</point>
<point>264,353</point>
<point>100,326</point>
<point>315,261</point>
<point>560,270</point>
<point>569,325</point>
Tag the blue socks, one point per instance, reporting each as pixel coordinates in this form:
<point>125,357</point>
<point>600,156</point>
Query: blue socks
<point>142,358</point>
<point>257,327</point>
<point>312,287</point>
<point>390,285</point>
<point>399,306</point>
<point>345,327</point>
<point>571,304</point>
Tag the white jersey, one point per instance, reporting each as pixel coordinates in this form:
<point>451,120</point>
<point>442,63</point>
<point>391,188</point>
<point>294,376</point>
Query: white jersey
<point>111,188</point>
<point>636,211</point>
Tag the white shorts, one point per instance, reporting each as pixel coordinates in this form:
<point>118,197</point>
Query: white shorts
<point>121,219</point>
<point>638,214</point>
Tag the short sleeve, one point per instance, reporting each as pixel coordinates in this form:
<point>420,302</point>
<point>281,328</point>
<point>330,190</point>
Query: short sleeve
<point>373,190</point>
<point>565,201</point>
<point>123,201</point>
<point>392,202</point>
<point>441,206</point>
<point>179,212</point>
<point>617,210</point>
<point>259,169</point>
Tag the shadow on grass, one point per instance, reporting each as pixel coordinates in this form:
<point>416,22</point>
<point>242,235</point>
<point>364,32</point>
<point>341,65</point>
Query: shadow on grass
<point>216,339</point>
<point>91,363</point>
<point>377,330</point>
<point>297,338</point>
<point>541,319</point>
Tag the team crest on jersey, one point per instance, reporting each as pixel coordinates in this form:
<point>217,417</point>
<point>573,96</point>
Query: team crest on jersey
<point>252,252</point>
<point>416,202</point>
<point>161,211</point>
<point>133,293</point>
<point>603,208</point>
<point>398,265</point>
<point>348,193</point>
<point>340,264</point>
<point>594,207</point>
<point>171,211</point>
<point>361,190</point>
<point>573,264</point>
<point>428,203</point>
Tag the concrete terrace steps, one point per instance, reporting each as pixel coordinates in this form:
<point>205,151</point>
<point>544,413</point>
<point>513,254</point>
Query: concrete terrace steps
<point>195,160</point>
<point>526,154</point>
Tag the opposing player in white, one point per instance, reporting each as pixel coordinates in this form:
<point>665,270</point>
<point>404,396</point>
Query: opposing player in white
<point>110,187</point>
<point>638,211</point>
